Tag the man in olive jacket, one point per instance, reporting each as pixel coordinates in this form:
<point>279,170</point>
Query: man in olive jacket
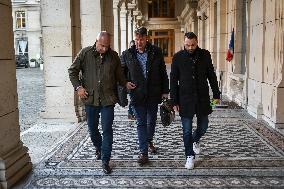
<point>145,69</point>
<point>97,87</point>
<point>190,70</point>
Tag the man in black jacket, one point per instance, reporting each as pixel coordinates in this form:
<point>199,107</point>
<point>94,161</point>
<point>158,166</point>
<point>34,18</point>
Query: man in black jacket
<point>145,68</point>
<point>190,70</point>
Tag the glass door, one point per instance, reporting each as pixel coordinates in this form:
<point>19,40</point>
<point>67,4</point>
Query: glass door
<point>164,40</point>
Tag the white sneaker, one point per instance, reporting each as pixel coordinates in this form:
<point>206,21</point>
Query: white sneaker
<point>196,148</point>
<point>189,162</point>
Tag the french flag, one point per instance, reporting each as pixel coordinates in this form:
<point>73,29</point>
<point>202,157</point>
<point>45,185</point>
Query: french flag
<point>230,52</point>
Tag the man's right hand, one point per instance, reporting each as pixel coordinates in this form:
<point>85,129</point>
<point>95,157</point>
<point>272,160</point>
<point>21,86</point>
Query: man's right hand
<point>82,93</point>
<point>130,85</point>
<point>176,108</point>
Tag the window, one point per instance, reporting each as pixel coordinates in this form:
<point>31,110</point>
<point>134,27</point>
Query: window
<point>22,46</point>
<point>161,8</point>
<point>20,20</point>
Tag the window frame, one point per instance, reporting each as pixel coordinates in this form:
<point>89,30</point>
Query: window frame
<point>157,9</point>
<point>20,20</point>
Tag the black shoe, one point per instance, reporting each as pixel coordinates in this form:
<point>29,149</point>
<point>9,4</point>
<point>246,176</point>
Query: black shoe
<point>142,159</point>
<point>152,148</point>
<point>98,154</point>
<point>106,168</point>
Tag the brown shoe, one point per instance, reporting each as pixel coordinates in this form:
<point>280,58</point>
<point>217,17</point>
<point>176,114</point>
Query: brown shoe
<point>106,168</point>
<point>131,117</point>
<point>152,148</point>
<point>142,159</point>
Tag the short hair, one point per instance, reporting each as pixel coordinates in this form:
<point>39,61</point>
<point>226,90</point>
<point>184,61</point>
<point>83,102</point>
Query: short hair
<point>103,34</point>
<point>131,43</point>
<point>141,31</point>
<point>190,35</point>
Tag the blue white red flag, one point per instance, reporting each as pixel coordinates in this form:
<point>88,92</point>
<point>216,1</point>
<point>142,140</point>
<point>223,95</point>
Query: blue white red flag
<point>230,52</point>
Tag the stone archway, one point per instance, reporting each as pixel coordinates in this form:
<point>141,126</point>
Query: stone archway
<point>14,159</point>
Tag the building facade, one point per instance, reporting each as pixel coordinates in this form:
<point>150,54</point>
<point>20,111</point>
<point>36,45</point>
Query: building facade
<point>254,77</point>
<point>27,28</point>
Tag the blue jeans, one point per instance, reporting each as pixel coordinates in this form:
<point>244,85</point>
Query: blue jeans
<point>146,117</point>
<point>130,110</point>
<point>188,137</point>
<point>103,144</point>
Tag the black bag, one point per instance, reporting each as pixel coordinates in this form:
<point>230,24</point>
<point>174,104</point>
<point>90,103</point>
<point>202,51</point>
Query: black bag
<point>167,112</point>
<point>122,96</point>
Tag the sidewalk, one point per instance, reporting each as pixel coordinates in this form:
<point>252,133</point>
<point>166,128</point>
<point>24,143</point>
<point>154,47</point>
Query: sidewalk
<point>238,151</point>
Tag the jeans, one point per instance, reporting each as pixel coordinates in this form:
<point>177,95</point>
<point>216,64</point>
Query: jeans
<point>146,117</point>
<point>188,137</point>
<point>102,143</point>
<point>130,110</point>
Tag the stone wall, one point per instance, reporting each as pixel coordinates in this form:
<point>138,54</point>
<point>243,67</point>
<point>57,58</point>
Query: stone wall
<point>265,77</point>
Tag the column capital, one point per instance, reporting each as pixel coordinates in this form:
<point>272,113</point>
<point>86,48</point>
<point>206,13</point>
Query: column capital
<point>139,17</point>
<point>123,12</point>
<point>117,3</point>
<point>131,6</point>
<point>136,12</point>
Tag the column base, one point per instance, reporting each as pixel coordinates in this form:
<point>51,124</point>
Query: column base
<point>66,113</point>
<point>14,166</point>
<point>273,124</point>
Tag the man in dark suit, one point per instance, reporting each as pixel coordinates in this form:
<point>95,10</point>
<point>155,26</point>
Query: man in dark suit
<point>145,68</point>
<point>191,70</point>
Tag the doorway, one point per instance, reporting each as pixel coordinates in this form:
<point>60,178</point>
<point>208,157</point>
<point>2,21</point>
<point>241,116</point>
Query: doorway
<point>165,40</point>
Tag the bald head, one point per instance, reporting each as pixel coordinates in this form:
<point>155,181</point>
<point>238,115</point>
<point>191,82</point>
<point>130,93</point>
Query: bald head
<point>103,34</point>
<point>102,42</point>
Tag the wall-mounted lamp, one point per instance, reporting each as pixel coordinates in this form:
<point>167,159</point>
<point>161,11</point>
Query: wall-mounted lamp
<point>201,15</point>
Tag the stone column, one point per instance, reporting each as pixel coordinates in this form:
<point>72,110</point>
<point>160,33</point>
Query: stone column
<point>131,8</point>
<point>178,39</point>
<point>90,15</point>
<point>59,48</point>
<point>123,27</point>
<point>279,109</point>
<point>116,26</point>
<point>135,13</point>
<point>221,42</point>
<point>14,159</point>
<point>273,69</point>
<point>90,21</point>
<point>107,17</point>
<point>130,27</point>
<point>134,24</point>
<point>255,65</point>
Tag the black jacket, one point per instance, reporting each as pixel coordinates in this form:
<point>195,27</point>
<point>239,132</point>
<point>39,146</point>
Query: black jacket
<point>157,83</point>
<point>189,85</point>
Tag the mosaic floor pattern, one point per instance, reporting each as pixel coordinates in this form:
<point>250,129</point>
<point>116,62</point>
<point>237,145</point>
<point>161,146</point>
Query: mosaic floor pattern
<point>238,151</point>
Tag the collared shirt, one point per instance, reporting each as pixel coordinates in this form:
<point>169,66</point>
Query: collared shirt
<point>142,59</point>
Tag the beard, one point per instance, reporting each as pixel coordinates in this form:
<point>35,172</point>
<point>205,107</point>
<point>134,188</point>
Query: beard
<point>191,51</point>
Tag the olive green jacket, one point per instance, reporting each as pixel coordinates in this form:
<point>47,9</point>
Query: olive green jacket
<point>98,75</point>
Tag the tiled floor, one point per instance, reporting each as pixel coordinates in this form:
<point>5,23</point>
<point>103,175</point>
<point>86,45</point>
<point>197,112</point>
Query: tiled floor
<point>237,152</point>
